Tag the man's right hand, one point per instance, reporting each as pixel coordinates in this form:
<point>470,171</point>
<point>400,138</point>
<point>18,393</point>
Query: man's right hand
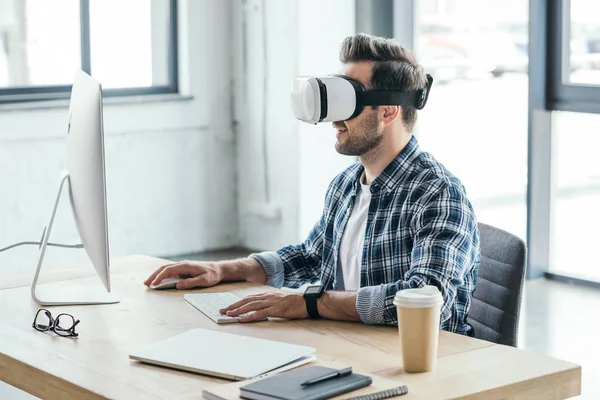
<point>194,274</point>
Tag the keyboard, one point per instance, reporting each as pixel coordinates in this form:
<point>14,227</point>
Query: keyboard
<point>210,304</point>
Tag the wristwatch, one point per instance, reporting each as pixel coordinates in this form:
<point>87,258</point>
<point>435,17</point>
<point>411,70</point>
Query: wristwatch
<point>311,294</point>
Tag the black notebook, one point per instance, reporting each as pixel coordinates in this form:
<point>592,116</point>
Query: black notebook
<point>287,385</point>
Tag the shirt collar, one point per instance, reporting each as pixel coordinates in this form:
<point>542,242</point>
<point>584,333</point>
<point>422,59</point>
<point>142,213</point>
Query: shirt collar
<point>395,172</point>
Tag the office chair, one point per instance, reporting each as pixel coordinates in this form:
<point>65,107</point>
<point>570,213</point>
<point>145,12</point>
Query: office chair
<point>494,312</point>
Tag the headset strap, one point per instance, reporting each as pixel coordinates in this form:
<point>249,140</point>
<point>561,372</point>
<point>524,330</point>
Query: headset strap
<point>416,99</point>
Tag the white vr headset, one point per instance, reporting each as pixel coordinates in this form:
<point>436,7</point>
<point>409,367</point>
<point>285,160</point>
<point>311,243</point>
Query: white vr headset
<point>340,98</point>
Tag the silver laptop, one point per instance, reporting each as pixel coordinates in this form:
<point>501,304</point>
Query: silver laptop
<point>224,355</point>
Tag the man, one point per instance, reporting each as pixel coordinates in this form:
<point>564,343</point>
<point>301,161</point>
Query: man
<point>396,219</point>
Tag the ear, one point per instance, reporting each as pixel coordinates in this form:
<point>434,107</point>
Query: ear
<point>390,114</point>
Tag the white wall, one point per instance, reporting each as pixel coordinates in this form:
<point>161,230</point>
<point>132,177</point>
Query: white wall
<point>303,37</point>
<point>319,54</point>
<point>170,171</point>
<point>258,229</point>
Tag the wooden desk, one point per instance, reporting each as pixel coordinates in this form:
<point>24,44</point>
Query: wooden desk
<point>97,365</point>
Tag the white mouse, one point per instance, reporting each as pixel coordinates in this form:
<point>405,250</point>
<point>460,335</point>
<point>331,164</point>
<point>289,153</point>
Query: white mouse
<point>167,283</point>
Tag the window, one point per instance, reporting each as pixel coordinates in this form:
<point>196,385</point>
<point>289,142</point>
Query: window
<point>574,68</point>
<point>40,43</point>
<point>129,46</point>
<point>475,121</point>
<point>564,185</point>
<point>575,213</point>
<point>584,43</point>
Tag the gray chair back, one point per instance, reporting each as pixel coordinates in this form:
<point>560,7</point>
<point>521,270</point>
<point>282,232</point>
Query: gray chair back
<point>494,312</point>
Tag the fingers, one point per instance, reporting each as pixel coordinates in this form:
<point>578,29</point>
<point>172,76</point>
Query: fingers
<point>175,271</point>
<point>252,306</point>
<point>200,280</point>
<point>255,316</point>
<point>148,281</point>
<point>166,272</point>
<point>235,305</point>
<point>244,301</point>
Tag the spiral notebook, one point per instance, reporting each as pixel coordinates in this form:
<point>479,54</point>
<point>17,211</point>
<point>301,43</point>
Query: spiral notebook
<point>381,388</point>
<point>384,394</point>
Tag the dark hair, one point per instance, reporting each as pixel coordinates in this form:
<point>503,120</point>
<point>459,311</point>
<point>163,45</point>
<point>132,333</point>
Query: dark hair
<point>394,67</point>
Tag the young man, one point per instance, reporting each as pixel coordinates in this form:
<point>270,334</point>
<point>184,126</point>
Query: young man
<point>396,219</point>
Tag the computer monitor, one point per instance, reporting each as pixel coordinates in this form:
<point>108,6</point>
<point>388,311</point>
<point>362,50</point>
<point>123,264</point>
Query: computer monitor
<point>85,182</point>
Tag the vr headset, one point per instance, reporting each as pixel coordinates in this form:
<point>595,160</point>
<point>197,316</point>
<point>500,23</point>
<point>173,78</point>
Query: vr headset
<point>340,98</point>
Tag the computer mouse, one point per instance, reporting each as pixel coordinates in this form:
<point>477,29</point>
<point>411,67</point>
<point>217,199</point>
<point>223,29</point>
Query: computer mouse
<point>167,283</point>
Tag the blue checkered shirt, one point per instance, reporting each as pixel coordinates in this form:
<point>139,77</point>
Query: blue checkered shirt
<point>421,230</point>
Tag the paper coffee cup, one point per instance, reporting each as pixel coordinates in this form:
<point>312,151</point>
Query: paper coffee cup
<point>418,326</point>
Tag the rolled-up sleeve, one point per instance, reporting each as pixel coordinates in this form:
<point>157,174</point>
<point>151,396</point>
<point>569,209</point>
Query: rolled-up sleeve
<point>442,253</point>
<point>293,266</point>
<point>273,266</point>
<point>371,304</point>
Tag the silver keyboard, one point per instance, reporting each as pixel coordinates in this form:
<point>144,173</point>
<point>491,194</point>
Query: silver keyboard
<point>210,304</point>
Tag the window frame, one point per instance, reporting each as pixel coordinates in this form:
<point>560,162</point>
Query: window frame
<point>563,96</point>
<point>56,92</point>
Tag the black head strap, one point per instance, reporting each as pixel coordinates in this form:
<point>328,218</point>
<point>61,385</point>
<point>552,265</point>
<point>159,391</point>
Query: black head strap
<point>416,99</point>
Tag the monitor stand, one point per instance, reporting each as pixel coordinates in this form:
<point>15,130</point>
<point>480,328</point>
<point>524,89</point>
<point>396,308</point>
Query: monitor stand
<point>61,296</point>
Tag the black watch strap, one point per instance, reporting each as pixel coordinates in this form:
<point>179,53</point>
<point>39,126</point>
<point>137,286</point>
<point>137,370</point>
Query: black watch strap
<point>311,307</point>
<point>311,295</point>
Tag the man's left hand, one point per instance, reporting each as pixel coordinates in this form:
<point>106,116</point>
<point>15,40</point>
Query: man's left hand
<point>277,305</point>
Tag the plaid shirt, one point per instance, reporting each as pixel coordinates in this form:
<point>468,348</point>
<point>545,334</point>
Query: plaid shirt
<point>421,229</point>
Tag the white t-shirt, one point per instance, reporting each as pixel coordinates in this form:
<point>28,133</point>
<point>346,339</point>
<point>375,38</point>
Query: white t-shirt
<point>353,238</point>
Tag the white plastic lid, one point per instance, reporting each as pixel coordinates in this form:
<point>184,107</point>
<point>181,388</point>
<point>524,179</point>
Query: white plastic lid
<point>427,296</point>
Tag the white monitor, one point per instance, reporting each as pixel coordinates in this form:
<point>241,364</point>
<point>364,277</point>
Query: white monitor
<point>85,182</point>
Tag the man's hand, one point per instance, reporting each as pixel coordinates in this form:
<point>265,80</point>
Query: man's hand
<point>277,305</point>
<point>205,274</point>
<point>194,274</point>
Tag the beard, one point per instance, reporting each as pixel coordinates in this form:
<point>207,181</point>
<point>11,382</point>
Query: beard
<point>361,139</point>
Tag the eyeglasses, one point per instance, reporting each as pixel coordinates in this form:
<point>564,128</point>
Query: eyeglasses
<point>64,324</point>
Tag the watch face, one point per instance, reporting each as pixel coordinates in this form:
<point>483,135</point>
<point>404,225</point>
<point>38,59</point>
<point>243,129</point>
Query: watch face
<point>313,290</point>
